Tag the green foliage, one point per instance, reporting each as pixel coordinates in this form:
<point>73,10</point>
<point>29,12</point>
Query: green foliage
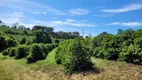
<point>39,52</point>
<point>6,42</point>
<point>12,52</point>
<point>125,46</point>
<point>23,41</point>
<point>36,53</point>
<point>42,37</point>
<point>66,35</point>
<point>57,41</point>
<point>132,54</point>
<point>22,51</point>
<point>105,46</point>
<point>138,41</point>
<point>15,31</point>
<point>6,52</point>
<point>73,55</point>
<point>28,42</point>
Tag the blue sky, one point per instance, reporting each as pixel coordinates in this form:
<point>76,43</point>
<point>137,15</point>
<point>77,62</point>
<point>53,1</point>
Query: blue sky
<point>92,16</point>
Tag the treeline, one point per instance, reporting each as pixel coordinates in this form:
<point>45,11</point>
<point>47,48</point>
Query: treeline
<point>17,29</point>
<point>124,46</point>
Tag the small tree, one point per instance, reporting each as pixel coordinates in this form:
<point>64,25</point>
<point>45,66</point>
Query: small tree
<point>22,51</point>
<point>36,53</point>
<point>74,56</point>
<point>12,52</point>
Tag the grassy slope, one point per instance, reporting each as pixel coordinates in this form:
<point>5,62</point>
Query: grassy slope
<point>11,69</point>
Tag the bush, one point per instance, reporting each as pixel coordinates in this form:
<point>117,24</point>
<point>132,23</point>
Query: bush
<point>6,42</point>
<point>131,54</point>
<point>6,52</point>
<point>42,37</point>
<point>29,42</point>
<point>22,51</point>
<point>30,60</point>
<point>23,41</point>
<point>138,41</point>
<point>39,52</point>
<point>57,41</point>
<point>73,55</point>
<point>12,52</point>
<point>36,52</point>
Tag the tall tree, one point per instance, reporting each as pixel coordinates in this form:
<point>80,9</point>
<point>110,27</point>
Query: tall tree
<point>15,25</point>
<point>120,31</point>
<point>0,22</point>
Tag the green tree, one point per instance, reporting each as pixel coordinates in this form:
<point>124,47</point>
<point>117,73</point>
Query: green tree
<point>73,55</point>
<point>23,41</point>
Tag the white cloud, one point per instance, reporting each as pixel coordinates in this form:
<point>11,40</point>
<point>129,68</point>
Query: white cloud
<point>124,9</point>
<point>130,24</point>
<point>17,14</point>
<point>38,8</point>
<point>16,10</point>
<point>27,25</point>
<point>29,6</point>
<point>103,15</point>
<point>67,22</point>
<point>71,22</point>
<point>78,11</point>
<point>10,21</point>
<point>38,13</point>
<point>10,18</point>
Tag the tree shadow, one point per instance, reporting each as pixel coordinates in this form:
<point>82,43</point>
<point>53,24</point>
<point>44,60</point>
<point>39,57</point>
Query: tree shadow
<point>88,68</point>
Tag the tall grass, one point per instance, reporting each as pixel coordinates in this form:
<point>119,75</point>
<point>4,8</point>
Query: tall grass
<point>47,69</point>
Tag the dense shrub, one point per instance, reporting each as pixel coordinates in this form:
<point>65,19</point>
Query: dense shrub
<point>132,54</point>
<point>42,37</point>
<point>23,41</point>
<point>22,51</point>
<point>138,41</point>
<point>39,52</point>
<point>6,52</point>
<point>6,42</point>
<point>125,46</point>
<point>73,55</point>
<point>57,41</point>
<point>29,42</point>
<point>12,52</point>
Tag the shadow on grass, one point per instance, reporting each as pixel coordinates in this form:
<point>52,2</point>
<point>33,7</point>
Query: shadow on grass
<point>87,69</point>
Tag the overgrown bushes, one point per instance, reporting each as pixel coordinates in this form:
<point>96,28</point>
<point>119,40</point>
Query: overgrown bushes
<point>126,46</point>
<point>131,54</point>
<point>32,52</point>
<point>12,52</point>
<point>73,55</point>
<point>6,42</point>
<point>39,52</point>
<point>6,52</point>
<point>22,51</point>
<point>23,41</point>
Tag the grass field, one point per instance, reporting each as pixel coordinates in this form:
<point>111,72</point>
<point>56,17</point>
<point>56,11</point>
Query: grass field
<point>11,69</point>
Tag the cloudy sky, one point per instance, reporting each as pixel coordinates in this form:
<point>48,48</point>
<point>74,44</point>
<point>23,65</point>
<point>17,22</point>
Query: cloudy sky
<point>92,16</point>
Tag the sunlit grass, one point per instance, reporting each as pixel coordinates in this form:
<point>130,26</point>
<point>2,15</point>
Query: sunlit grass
<point>47,69</point>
